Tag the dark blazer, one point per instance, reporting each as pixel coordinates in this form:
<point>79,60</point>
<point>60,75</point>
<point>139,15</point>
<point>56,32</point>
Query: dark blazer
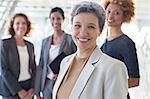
<point>10,66</point>
<point>67,46</point>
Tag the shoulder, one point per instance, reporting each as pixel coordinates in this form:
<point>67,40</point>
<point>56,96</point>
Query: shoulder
<point>113,69</point>
<point>28,42</point>
<point>68,58</point>
<point>127,41</point>
<point>7,41</point>
<point>68,36</point>
<point>47,39</point>
<point>112,64</point>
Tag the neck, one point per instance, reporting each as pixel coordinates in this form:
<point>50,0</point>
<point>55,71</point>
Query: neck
<point>85,53</point>
<point>58,33</point>
<point>113,32</point>
<point>20,41</point>
<point>19,38</point>
<point>57,37</point>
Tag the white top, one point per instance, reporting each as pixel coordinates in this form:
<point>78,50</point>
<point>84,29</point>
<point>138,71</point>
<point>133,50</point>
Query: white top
<point>53,53</point>
<point>24,63</point>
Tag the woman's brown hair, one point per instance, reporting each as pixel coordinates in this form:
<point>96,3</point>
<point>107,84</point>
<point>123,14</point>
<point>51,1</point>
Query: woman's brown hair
<point>11,29</point>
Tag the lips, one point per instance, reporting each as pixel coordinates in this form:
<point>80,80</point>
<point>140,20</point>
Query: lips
<point>56,26</point>
<point>83,39</point>
<point>21,30</point>
<point>109,21</point>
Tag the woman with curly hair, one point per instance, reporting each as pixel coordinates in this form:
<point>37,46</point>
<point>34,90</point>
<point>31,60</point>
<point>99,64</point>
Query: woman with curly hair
<point>118,45</point>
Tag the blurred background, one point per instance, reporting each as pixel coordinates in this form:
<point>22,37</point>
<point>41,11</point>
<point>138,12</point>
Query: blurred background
<point>38,12</point>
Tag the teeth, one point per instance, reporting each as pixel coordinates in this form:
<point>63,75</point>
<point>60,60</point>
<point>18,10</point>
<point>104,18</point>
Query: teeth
<point>109,20</point>
<point>83,39</point>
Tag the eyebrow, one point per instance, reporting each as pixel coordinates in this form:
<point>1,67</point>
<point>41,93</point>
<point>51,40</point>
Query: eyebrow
<point>76,22</point>
<point>88,23</point>
<point>92,24</point>
<point>113,10</point>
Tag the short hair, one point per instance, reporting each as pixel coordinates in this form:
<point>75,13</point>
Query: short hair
<point>11,29</point>
<point>57,9</point>
<point>127,6</point>
<point>90,7</point>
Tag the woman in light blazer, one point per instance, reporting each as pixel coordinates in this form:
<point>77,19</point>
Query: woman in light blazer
<point>89,73</point>
<point>18,61</point>
<point>54,49</point>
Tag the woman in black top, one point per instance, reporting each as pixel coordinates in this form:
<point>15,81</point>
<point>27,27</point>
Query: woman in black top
<point>118,45</point>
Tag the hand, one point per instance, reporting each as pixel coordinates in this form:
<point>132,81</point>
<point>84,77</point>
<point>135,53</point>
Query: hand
<point>22,93</point>
<point>29,94</point>
<point>54,76</point>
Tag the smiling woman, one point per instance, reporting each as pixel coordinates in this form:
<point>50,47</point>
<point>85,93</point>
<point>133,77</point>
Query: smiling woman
<point>89,73</point>
<point>17,61</point>
<point>118,45</point>
<point>84,32</point>
<point>54,49</point>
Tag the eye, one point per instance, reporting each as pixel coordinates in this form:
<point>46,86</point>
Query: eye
<point>17,23</point>
<point>24,23</point>
<point>76,26</point>
<point>117,13</point>
<point>58,18</point>
<point>91,27</point>
<point>108,12</point>
<point>52,18</point>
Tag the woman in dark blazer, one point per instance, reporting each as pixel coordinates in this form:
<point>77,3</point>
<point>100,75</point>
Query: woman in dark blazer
<point>18,60</point>
<point>54,49</point>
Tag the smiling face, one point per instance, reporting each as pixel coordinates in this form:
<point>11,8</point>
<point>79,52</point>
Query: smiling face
<point>114,15</point>
<point>20,26</point>
<point>56,21</point>
<point>85,30</point>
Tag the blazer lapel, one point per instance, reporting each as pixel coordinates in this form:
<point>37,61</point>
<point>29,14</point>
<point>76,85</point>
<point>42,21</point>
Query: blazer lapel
<point>82,81</point>
<point>85,75</point>
<point>63,44</point>
<point>15,51</point>
<point>29,52</point>
<point>47,47</point>
<point>62,74</point>
<point>83,78</point>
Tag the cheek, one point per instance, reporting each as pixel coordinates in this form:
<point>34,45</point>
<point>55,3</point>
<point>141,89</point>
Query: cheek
<point>15,28</point>
<point>74,32</point>
<point>119,18</point>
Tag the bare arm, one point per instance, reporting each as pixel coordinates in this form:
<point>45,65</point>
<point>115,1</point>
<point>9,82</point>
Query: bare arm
<point>133,82</point>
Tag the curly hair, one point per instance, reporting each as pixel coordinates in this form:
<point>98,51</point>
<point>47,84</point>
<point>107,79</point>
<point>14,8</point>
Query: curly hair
<point>11,29</point>
<point>127,6</point>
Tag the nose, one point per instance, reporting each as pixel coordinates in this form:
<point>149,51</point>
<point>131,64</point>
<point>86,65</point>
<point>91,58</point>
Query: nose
<point>110,16</point>
<point>84,30</point>
<point>55,21</point>
<point>20,25</point>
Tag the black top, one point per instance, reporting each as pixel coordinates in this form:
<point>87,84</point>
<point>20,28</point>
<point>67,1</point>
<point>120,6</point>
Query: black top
<point>123,48</point>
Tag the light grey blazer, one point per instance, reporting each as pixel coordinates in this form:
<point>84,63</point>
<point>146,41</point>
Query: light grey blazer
<point>67,46</point>
<point>102,78</point>
<point>10,66</point>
